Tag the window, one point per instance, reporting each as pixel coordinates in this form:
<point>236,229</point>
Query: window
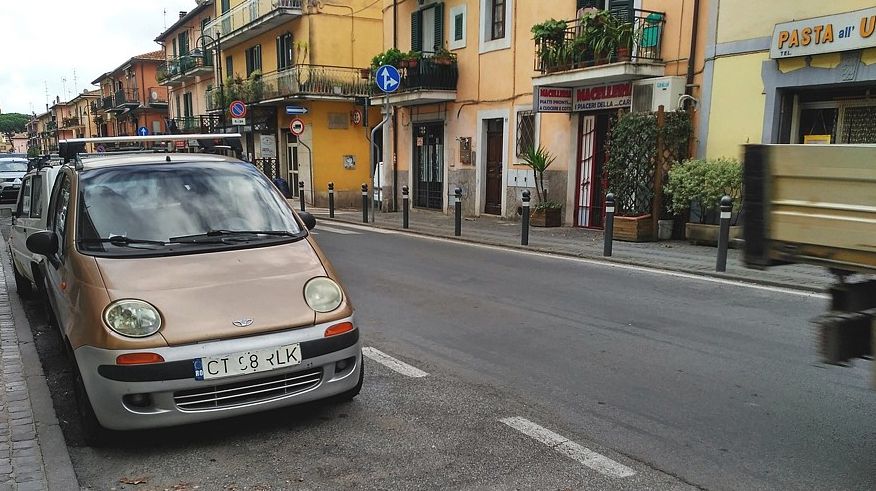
<point>24,199</point>
<point>457,18</point>
<point>59,212</point>
<point>285,53</point>
<point>525,131</point>
<point>183,38</point>
<point>36,201</point>
<point>229,67</point>
<point>497,19</point>
<point>226,5</point>
<point>427,28</point>
<point>187,105</point>
<point>253,59</point>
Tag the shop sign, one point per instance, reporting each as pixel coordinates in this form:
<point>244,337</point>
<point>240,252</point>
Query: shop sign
<point>599,97</point>
<point>268,146</point>
<point>816,139</point>
<point>828,34</point>
<point>553,99</point>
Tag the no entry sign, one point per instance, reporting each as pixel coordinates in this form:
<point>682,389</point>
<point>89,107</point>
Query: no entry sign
<point>296,126</point>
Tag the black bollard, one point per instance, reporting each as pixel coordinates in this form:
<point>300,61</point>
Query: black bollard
<point>609,224</point>
<point>331,190</point>
<point>457,202</point>
<point>524,237</point>
<point>724,234</point>
<point>405,207</point>
<point>301,194</point>
<point>364,203</point>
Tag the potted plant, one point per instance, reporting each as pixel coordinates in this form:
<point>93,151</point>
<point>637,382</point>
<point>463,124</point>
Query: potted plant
<point>549,36</point>
<point>392,57</point>
<point>623,39</point>
<point>546,213</point>
<point>699,184</point>
<point>444,57</point>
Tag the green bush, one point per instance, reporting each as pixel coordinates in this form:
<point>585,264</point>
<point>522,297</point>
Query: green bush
<point>702,183</point>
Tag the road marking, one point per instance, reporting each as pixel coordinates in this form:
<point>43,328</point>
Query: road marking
<point>591,459</point>
<point>595,262</point>
<point>365,228</point>
<point>323,228</point>
<point>393,364</point>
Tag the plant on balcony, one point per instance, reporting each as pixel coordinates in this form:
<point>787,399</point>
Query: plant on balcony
<point>411,59</point>
<point>392,57</point>
<point>443,56</point>
<point>254,87</point>
<point>623,38</point>
<point>550,37</point>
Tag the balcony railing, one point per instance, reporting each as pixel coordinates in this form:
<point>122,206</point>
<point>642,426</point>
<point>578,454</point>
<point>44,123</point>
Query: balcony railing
<point>107,103</point>
<point>179,68</point>
<point>70,122</point>
<point>576,46</point>
<point>430,73</point>
<point>249,12</point>
<point>127,97</point>
<point>208,123</point>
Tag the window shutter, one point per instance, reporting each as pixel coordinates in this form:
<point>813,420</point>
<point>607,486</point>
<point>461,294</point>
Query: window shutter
<point>417,31</point>
<point>280,64</point>
<point>458,27</point>
<point>621,9</point>
<point>582,4</point>
<point>439,26</point>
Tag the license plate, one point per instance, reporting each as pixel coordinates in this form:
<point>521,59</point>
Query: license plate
<point>245,362</point>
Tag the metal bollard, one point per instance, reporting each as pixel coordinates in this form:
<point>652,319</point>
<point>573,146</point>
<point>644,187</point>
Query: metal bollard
<point>301,194</point>
<point>405,207</point>
<point>457,202</point>
<point>331,187</point>
<point>724,234</point>
<point>609,224</point>
<point>364,203</point>
<point>524,237</point>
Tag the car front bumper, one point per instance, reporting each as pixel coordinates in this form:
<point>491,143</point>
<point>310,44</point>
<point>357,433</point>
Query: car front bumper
<point>9,191</point>
<point>173,396</point>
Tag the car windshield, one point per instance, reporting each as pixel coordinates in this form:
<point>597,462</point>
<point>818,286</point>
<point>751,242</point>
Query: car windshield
<point>13,166</point>
<point>165,207</point>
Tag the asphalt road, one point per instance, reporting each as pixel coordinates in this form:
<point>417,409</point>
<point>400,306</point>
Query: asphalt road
<point>682,382</point>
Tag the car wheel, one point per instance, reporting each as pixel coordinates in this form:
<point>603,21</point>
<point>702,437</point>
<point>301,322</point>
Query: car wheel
<point>22,285</point>
<point>93,433</point>
<point>352,393</point>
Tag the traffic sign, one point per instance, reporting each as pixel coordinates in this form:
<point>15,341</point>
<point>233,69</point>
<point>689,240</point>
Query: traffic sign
<point>238,121</point>
<point>237,109</point>
<point>294,110</point>
<point>388,79</point>
<point>296,126</point>
<point>142,131</point>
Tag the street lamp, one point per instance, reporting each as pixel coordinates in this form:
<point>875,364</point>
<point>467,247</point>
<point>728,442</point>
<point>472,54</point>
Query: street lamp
<point>197,52</point>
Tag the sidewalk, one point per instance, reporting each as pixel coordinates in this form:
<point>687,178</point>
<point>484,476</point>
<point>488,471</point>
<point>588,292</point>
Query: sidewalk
<point>669,255</point>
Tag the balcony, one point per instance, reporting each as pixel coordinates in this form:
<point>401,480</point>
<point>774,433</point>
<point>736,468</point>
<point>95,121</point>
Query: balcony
<point>208,123</point>
<point>600,49</point>
<point>71,122</point>
<point>157,97</point>
<point>251,18</point>
<point>429,81</point>
<point>107,103</point>
<point>183,69</point>
<point>126,98</point>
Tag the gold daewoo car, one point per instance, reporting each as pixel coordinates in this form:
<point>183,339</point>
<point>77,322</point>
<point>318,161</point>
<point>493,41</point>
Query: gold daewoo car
<point>187,289</point>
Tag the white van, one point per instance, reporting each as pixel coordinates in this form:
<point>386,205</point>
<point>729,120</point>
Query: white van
<point>28,217</point>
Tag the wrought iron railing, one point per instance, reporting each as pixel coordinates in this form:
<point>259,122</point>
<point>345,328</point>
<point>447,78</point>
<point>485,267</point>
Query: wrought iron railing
<point>269,167</point>
<point>127,96</point>
<point>70,122</point>
<point>208,123</point>
<point>107,102</point>
<point>248,12</point>
<point>588,42</point>
<point>182,66</point>
<point>431,73</point>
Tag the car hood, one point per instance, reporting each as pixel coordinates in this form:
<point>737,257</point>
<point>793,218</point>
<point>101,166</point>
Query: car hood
<point>200,296</point>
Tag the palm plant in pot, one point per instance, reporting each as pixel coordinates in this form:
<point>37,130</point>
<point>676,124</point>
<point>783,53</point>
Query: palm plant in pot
<point>546,213</point>
<point>622,32</point>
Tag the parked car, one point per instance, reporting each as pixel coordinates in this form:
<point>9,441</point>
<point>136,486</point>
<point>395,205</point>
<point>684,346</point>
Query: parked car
<point>28,217</point>
<point>188,289</point>
<point>12,169</point>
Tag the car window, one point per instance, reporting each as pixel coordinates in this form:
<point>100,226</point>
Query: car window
<point>59,211</point>
<point>36,200</point>
<point>13,166</point>
<point>24,198</point>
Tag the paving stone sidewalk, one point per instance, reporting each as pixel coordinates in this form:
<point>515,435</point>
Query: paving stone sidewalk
<point>671,255</point>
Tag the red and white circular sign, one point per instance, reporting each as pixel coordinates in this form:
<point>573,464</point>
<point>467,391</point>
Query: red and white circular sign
<point>296,126</point>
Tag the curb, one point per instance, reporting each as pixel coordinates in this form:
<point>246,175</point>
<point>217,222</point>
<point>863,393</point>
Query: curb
<point>598,258</point>
<point>56,458</point>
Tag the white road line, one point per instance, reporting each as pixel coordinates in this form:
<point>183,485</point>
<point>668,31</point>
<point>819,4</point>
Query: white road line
<point>591,459</point>
<point>393,364</point>
<point>597,262</point>
<point>361,227</point>
<point>323,228</point>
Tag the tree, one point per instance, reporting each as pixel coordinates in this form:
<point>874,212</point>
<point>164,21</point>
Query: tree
<point>13,122</point>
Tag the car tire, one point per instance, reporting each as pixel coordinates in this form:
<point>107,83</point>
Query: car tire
<point>93,433</point>
<point>351,394</point>
<point>22,285</point>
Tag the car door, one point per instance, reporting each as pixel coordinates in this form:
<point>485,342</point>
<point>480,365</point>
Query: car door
<point>56,266</point>
<point>20,255</point>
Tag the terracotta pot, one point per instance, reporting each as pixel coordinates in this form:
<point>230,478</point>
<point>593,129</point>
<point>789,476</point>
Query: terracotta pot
<point>547,217</point>
<point>623,54</point>
<point>633,229</point>
<point>365,73</point>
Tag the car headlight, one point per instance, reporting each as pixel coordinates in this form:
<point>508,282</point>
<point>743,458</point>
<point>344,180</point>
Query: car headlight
<point>132,318</point>
<point>323,294</point>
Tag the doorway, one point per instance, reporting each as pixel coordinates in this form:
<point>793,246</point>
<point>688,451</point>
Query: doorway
<point>292,162</point>
<point>591,178</point>
<point>493,194</point>
<point>429,165</point>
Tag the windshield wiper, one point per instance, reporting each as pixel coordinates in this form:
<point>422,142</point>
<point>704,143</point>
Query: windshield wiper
<point>120,240</point>
<point>221,235</point>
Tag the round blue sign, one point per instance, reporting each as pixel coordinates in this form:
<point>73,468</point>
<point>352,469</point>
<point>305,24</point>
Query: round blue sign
<point>142,131</point>
<point>388,79</point>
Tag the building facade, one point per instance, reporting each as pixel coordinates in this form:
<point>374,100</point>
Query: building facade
<point>797,72</point>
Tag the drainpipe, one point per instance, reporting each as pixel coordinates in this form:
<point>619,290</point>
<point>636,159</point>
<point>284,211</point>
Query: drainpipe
<point>691,58</point>
<point>394,116</point>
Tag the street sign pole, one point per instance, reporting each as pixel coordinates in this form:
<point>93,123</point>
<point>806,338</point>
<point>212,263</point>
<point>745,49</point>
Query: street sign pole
<point>388,80</point>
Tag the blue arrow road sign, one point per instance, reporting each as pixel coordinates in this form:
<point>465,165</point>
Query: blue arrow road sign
<point>142,131</point>
<point>388,78</point>
<point>296,110</point>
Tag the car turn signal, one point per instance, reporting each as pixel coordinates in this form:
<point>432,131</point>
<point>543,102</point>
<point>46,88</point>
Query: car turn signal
<point>139,359</point>
<point>339,329</point>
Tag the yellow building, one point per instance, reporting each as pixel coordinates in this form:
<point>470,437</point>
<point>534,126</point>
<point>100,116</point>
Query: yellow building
<point>285,57</point>
<point>797,72</point>
<point>468,123</point>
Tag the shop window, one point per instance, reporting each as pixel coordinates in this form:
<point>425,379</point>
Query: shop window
<point>859,125</point>
<point>525,131</point>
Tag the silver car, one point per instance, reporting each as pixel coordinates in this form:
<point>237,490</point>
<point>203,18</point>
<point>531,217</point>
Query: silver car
<point>12,170</point>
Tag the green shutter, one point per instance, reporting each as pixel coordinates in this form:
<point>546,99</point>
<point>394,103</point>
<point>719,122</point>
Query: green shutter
<point>621,9</point>
<point>417,31</point>
<point>439,26</point>
<point>458,27</point>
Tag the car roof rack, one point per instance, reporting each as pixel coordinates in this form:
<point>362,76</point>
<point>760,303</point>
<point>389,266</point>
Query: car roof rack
<point>73,149</point>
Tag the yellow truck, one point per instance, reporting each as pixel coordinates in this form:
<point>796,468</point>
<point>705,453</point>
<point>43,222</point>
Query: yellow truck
<point>816,204</point>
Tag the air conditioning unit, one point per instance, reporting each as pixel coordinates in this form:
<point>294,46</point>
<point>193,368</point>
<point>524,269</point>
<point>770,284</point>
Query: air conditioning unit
<point>650,93</point>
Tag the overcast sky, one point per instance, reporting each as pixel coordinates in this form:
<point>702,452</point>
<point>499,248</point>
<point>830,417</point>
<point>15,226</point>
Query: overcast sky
<point>44,41</point>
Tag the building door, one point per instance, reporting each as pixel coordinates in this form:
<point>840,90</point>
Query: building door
<point>429,165</point>
<point>493,195</point>
<point>592,182</point>
<point>292,162</point>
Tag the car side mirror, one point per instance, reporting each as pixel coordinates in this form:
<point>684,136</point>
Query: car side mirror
<point>308,219</point>
<point>44,243</point>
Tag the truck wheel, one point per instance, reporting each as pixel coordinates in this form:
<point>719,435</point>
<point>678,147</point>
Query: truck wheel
<point>22,285</point>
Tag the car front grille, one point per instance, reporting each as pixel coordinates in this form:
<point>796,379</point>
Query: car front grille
<point>240,393</point>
